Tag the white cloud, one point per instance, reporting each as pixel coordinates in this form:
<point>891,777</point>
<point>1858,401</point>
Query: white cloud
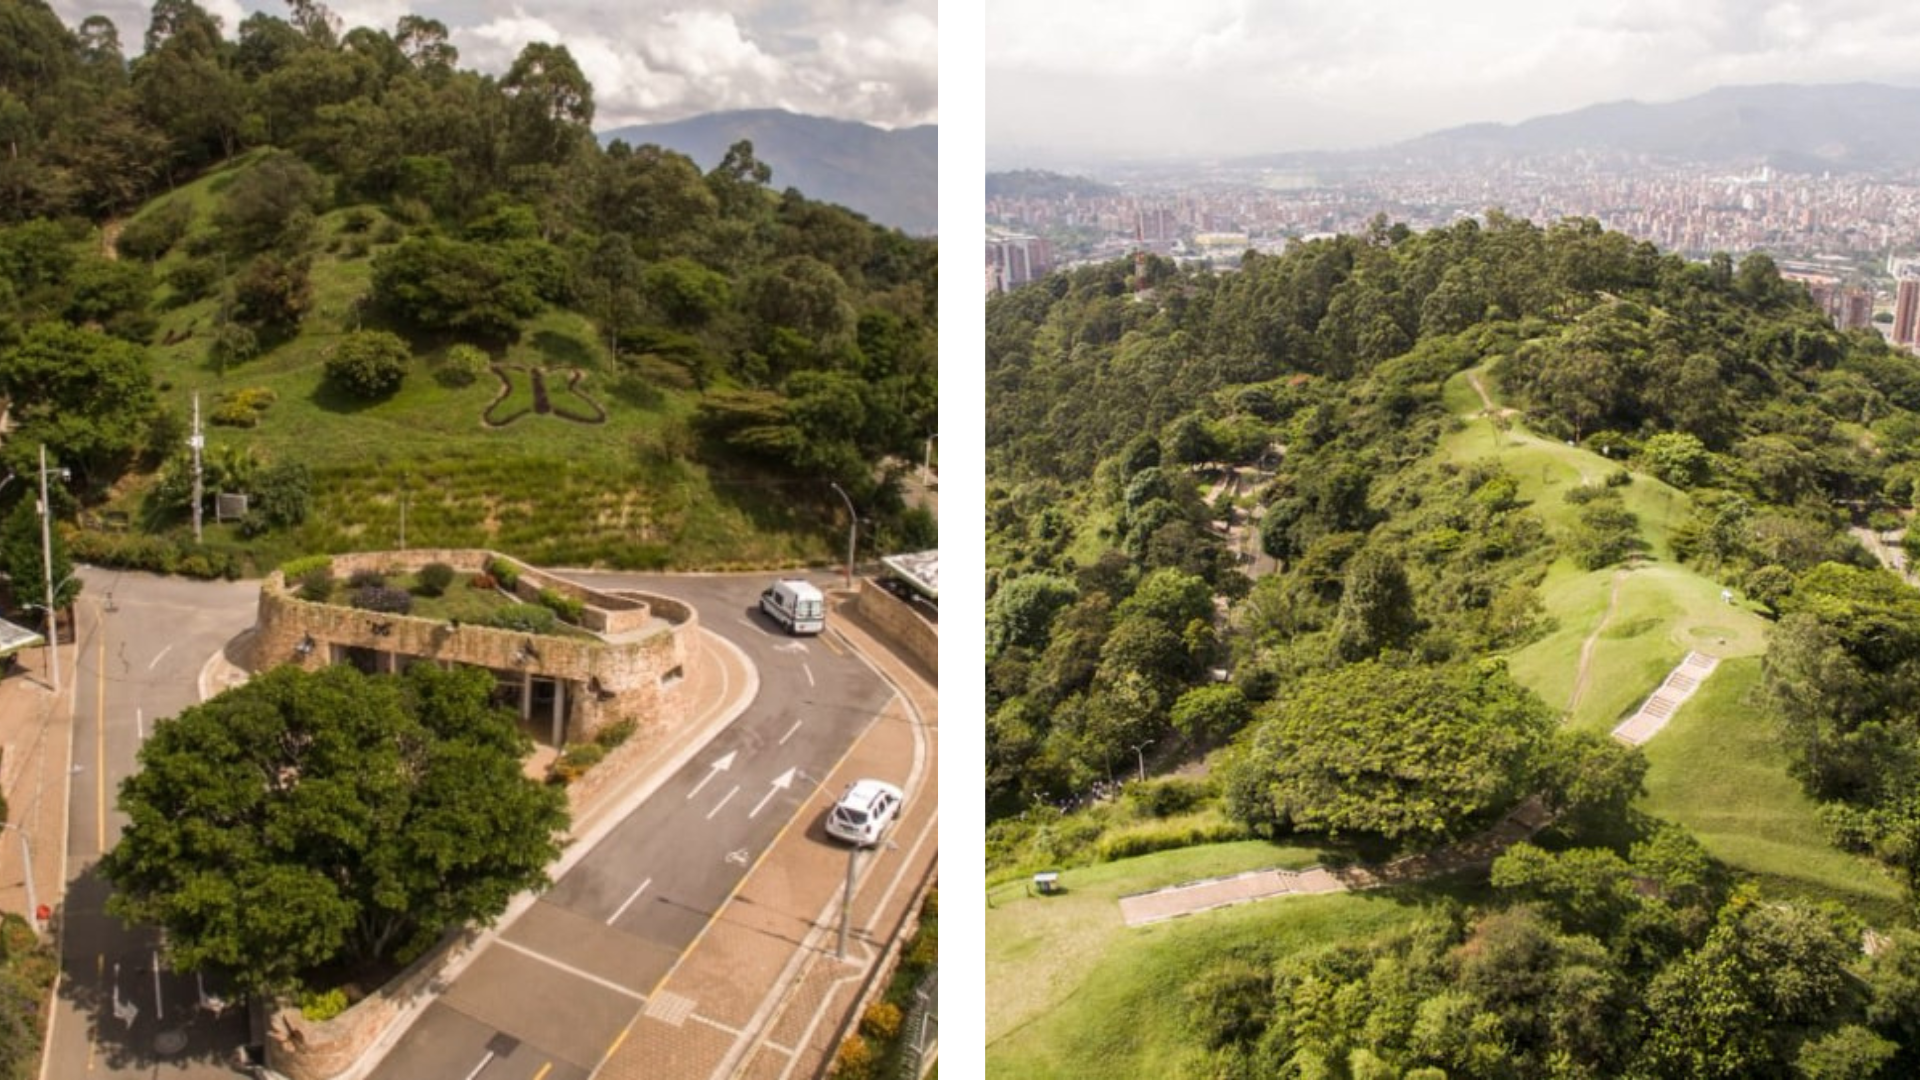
<point>1286,74</point>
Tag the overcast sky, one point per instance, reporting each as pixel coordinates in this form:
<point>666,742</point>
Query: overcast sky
<point>652,61</point>
<point>1205,77</point>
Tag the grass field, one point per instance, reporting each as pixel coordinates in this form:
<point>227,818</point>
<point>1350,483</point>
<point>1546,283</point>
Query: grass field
<point>1072,985</point>
<point>1717,769</point>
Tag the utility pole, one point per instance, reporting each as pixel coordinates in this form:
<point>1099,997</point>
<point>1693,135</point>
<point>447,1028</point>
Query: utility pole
<point>197,441</point>
<point>46,562</point>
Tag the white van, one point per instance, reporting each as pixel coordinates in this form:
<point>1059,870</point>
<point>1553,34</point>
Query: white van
<point>796,605</point>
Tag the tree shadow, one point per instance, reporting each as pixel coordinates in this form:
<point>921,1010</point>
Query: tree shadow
<point>139,1015</point>
<point>564,350</point>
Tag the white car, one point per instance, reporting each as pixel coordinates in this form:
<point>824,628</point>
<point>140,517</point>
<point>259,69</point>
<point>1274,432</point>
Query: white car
<point>864,812</point>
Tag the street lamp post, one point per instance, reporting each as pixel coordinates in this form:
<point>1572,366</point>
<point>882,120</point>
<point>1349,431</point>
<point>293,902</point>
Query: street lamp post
<point>853,528</point>
<point>1140,755</point>
<point>26,855</point>
<point>46,561</point>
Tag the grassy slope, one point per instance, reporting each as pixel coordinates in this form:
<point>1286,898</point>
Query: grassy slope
<point>542,487</point>
<point>1072,984</point>
<point>1717,769</point>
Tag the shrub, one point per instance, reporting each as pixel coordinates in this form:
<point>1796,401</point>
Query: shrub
<point>574,761</point>
<point>241,408</point>
<point>1169,796</point>
<point>383,599</point>
<point>316,585</point>
<point>881,1021</point>
<point>193,279</point>
<point>505,572</point>
<point>368,363</point>
<point>527,618</point>
<point>1166,836</point>
<point>434,578</point>
<point>616,733</point>
<point>154,233</point>
<point>296,568</point>
<point>323,1005</point>
<point>482,580</point>
<point>853,1061</point>
<point>464,365</point>
<point>367,576</point>
<point>569,608</point>
<point>1619,478</point>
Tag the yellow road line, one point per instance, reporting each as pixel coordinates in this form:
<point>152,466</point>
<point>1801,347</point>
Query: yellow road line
<point>544,1070</point>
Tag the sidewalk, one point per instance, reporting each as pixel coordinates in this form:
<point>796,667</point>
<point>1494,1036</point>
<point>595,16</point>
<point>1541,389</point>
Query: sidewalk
<point>36,746</point>
<point>763,994</point>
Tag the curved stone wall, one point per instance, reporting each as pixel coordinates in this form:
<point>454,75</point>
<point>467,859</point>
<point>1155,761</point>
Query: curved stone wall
<point>631,665</point>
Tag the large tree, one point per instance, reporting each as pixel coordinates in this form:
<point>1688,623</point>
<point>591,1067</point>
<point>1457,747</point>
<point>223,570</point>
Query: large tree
<point>311,818</point>
<point>1397,752</point>
<point>87,396</point>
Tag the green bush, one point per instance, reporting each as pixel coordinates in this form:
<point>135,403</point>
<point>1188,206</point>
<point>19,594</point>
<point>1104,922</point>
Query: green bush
<point>506,573</point>
<point>1169,796</point>
<point>569,608</point>
<point>368,363</point>
<point>316,585</point>
<point>527,618</point>
<point>616,733</point>
<point>434,578</point>
<point>1166,836</point>
<point>383,599</point>
<point>323,1005</point>
<point>193,279</point>
<point>298,568</point>
<point>574,761</point>
<point>154,233</point>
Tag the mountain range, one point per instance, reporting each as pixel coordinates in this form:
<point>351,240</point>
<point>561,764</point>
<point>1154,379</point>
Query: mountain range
<point>1842,127</point>
<point>891,177</point>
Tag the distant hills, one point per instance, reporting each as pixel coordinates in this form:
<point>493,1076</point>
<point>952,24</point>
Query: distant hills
<point>1845,127</point>
<point>891,177</point>
<point>1042,184</point>
<point>1851,126</point>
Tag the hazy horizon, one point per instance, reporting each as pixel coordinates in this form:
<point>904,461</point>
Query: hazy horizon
<point>1082,82</point>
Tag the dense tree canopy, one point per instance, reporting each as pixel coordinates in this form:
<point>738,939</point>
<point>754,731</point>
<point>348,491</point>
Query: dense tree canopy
<point>310,818</point>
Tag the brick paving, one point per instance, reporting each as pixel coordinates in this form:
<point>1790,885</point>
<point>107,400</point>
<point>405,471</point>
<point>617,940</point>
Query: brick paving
<point>1192,897</point>
<point>36,749</point>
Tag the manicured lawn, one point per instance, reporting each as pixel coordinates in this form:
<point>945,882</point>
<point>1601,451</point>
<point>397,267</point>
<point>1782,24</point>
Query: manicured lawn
<point>1718,769</point>
<point>1072,986</point>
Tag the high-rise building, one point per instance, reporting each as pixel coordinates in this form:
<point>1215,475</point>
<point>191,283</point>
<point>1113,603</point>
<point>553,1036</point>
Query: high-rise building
<point>1906,310</point>
<point>1016,260</point>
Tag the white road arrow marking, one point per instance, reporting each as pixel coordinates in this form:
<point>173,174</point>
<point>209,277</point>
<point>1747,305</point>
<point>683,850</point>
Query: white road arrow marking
<point>723,764</point>
<point>780,784</point>
<point>738,858</point>
<point>791,646</point>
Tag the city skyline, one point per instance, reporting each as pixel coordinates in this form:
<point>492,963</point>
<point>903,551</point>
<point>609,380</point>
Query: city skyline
<point>872,61</point>
<point>1077,82</point>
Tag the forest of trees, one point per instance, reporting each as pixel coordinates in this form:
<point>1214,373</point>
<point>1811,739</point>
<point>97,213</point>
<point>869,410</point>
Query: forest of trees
<point>481,201</point>
<point>1354,693</point>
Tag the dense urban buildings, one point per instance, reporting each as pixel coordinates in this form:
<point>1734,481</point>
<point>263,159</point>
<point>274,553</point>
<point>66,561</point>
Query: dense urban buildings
<point>1842,234</point>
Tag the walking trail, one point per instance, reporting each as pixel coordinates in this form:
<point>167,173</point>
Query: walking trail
<point>1528,818</point>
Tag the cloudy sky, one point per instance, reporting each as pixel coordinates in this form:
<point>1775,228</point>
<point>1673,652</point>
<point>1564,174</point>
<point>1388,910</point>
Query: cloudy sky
<point>652,61</point>
<point>1198,77</point>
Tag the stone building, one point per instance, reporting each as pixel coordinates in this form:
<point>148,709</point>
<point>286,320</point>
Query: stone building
<point>627,658</point>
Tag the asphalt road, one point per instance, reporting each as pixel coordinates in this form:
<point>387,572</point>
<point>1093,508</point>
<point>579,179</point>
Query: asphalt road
<point>141,642</point>
<point>551,995</point>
